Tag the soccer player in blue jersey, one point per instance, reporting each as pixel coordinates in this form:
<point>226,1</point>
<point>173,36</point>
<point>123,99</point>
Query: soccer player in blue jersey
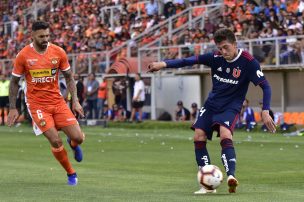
<point>232,70</point>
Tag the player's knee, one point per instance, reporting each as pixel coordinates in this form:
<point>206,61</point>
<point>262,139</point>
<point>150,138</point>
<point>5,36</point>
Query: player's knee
<point>56,143</point>
<point>79,138</point>
<point>199,135</point>
<point>225,136</point>
<point>225,133</point>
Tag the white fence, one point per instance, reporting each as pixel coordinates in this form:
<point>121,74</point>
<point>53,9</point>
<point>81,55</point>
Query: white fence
<point>273,53</point>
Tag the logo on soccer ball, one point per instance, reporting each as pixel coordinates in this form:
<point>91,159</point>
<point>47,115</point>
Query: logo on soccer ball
<point>210,177</point>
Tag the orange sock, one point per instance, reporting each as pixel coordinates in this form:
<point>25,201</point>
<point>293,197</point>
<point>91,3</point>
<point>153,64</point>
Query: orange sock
<point>62,156</point>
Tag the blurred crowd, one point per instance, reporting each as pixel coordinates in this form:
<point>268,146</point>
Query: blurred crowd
<point>251,19</point>
<point>85,26</point>
<point>81,25</point>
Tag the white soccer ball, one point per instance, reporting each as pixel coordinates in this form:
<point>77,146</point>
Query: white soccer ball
<point>210,177</point>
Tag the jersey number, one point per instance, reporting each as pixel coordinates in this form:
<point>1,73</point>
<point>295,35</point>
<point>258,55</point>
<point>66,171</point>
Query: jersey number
<point>39,114</point>
<point>202,111</point>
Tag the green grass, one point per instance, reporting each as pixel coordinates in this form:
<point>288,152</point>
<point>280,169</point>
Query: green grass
<point>133,164</point>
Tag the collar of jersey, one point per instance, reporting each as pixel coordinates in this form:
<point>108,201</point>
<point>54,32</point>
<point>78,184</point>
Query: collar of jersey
<point>237,57</point>
<point>32,46</point>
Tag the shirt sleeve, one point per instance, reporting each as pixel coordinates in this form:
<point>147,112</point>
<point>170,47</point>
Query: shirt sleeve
<point>256,76</point>
<point>205,59</point>
<point>19,66</point>
<point>64,62</point>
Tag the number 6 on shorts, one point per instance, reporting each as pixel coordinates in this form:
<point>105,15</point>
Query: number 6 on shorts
<point>39,114</point>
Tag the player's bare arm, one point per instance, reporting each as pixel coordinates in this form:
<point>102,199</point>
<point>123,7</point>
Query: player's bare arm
<point>156,66</point>
<point>13,91</point>
<point>70,82</point>
<point>268,121</point>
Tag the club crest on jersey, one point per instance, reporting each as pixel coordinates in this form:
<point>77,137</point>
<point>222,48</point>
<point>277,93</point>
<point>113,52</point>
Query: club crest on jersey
<point>54,61</point>
<point>236,72</point>
<point>228,70</point>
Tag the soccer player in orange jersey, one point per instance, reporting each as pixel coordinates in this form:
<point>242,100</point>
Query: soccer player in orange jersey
<point>40,63</point>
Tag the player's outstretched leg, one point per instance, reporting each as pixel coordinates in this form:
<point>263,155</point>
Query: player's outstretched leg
<point>72,179</point>
<point>229,162</point>
<point>76,149</point>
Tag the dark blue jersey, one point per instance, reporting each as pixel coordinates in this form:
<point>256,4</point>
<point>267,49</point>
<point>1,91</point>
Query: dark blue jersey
<point>230,79</point>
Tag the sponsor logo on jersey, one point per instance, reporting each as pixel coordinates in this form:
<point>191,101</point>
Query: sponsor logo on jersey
<point>38,73</point>
<point>227,123</point>
<point>236,72</point>
<point>47,79</point>
<point>219,69</point>
<point>224,80</point>
<point>43,75</point>
<point>53,71</point>
<point>259,73</point>
<point>31,62</point>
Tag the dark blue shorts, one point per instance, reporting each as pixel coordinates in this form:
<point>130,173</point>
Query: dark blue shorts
<point>210,121</point>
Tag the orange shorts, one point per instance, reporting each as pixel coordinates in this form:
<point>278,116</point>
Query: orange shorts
<point>49,116</point>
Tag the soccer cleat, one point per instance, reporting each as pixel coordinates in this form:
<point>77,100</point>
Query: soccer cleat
<point>232,184</point>
<point>72,179</point>
<point>202,190</point>
<point>77,151</point>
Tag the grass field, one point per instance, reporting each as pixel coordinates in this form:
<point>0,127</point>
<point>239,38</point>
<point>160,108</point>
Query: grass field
<point>133,164</point>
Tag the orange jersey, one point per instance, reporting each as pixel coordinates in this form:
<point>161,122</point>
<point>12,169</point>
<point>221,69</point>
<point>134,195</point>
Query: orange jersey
<point>41,73</point>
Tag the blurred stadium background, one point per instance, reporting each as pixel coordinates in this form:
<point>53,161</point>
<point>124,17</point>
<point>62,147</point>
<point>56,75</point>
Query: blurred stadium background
<point>153,161</point>
<point>116,38</point>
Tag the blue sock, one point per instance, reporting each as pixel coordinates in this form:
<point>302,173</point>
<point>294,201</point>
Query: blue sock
<point>201,153</point>
<point>228,156</point>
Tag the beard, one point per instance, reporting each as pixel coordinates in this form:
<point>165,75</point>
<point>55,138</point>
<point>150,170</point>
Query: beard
<point>42,45</point>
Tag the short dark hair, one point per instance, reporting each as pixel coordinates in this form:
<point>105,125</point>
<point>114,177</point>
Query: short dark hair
<point>224,34</point>
<point>40,25</point>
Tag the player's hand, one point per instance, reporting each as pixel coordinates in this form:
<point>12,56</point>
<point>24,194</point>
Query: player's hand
<point>136,98</point>
<point>77,108</point>
<point>268,121</point>
<point>155,66</point>
<point>12,117</point>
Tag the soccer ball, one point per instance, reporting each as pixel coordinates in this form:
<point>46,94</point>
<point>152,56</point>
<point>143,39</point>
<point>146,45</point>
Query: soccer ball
<point>210,177</point>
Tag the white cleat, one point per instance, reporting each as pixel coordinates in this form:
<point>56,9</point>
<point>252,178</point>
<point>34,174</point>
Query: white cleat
<point>232,184</point>
<point>202,190</point>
